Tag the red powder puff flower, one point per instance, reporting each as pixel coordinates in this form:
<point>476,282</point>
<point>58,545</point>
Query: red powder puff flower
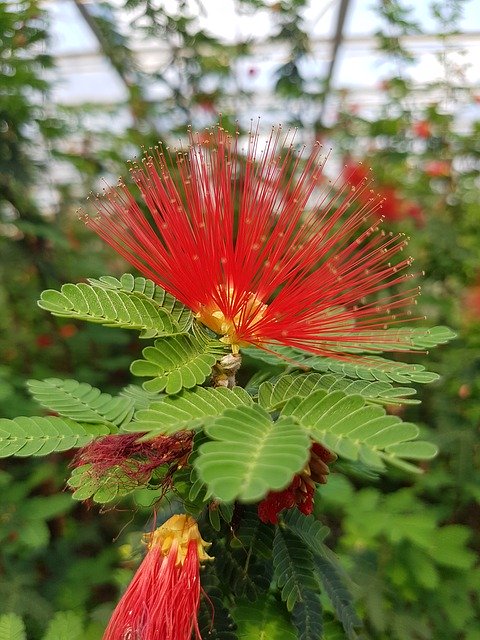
<point>161,602</point>
<point>259,246</point>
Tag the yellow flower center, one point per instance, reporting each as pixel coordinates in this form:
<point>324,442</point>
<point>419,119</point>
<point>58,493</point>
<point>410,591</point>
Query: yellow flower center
<point>251,312</point>
<point>178,530</point>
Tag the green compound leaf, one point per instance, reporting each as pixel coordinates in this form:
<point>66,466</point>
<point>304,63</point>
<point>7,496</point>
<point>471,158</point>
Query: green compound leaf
<point>252,454</point>
<point>179,361</point>
<point>293,567</point>
<point>329,574</point>
<point>187,410</point>
<point>82,402</point>
<point>36,436</point>
<point>356,430</point>
<point>331,579</point>
<point>12,627</point>
<point>370,368</point>
<point>274,396</point>
<point>244,576</point>
<point>253,535</point>
<point>214,619</point>
<point>262,620</point>
<point>112,485</point>
<point>121,309</point>
<point>141,399</point>
<point>65,625</point>
<point>419,339</point>
<point>308,528</point>
<point>182,316</point>
<point>307,616</point>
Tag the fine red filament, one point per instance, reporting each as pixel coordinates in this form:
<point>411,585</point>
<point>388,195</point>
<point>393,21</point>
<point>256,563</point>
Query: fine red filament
<point>161,602</point>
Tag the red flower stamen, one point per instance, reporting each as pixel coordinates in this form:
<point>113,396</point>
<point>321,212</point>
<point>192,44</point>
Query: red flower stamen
<point>135,458</point>
<point>161,602</point>
<point>259,246</point>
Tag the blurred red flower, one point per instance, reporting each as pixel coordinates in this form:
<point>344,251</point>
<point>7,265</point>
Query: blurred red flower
<point>422,129</point>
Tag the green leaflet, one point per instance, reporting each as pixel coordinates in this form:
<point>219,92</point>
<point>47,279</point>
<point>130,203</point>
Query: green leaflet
<point>274,396</point>
<point>358,431</point>
<point>184,360</point>
<point>40,436</point>
<point>82,402</point>
<point>65,625</point>
<point>251,455</point>
<point>293,567</point>
<point>262,620</point>
<point>187,410</point>
<point>121,309</point>
<point>144,287</point>
<point>12,627</point>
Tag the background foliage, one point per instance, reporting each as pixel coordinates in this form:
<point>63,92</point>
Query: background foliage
<point>407,544</point>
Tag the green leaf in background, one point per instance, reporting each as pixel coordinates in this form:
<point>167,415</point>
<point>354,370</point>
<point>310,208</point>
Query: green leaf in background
<point>12,627</point>
<point>262,620</point>
<point>251,455</point>
<point>182,316</point>
<point>111,308</point>
<point>356,430</point>
<point>40,436</point>
<point>178,361</point>
<point>82,402</point>
<point>65,625</point>
<point>187,409</point>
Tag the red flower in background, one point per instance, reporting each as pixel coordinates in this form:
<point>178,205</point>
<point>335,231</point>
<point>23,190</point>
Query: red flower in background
<point>422,129</point>
<point>438,168</point>
<point>472,302</point>
<point>393,206</point>
<point>259,246</point>
<point>161,602</point>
